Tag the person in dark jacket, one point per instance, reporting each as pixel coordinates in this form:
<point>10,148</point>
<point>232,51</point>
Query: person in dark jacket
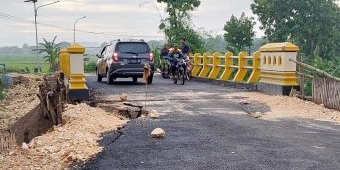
<point>174,55</point>
<point>165,50</point>
<point>164,53</point>
<point>185,47</point>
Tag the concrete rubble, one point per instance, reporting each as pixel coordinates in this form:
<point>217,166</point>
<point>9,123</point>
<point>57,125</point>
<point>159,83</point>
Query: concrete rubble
<point>158,133</point>
<point>154,114</point>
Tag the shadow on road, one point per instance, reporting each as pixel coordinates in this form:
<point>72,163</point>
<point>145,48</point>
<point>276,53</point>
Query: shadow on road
<point>125,83</point>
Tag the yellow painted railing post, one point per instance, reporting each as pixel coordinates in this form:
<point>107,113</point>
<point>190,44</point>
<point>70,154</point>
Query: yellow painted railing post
<point>227,69</point>
<point>216,69</point>
<point>63,61</point>
<point>77,87</point>
<point>197,67</point>
<point>255,75</point>
<point>206,67</point>
<point>241,73</point>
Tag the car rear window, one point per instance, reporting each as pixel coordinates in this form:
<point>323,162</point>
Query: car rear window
<point>133,47</point>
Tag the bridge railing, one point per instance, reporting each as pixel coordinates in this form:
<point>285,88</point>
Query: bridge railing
<point>269,69</point>
<point>71,63</point>
<point>221,67</point>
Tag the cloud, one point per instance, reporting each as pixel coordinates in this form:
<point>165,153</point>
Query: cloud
<point>118,18</point>
<point>99,8</point>
<point>221,11</point>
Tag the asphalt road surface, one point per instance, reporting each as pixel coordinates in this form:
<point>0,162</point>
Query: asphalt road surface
<point>206,129</point>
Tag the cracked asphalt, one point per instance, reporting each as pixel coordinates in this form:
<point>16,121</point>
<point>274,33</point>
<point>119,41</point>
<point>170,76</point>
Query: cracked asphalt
<point>207,129</point>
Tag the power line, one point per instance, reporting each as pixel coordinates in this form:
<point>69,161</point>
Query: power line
<point>22,20</point>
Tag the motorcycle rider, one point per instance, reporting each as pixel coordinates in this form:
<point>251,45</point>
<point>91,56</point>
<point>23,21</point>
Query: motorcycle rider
<point>174,55</point>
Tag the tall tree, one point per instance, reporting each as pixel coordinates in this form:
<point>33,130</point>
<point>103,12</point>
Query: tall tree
<point>239,33</point>
<point>178,24</point>
<point>312,24</point>
<point>51,49</point>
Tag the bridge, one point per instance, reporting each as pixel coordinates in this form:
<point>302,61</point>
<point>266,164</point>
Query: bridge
<point>208,121</point>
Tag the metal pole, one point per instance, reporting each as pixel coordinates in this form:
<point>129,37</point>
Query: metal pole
<point>36,36</point>
<point>74,28</point>
<point>38,65</point>
<point>74,32</point>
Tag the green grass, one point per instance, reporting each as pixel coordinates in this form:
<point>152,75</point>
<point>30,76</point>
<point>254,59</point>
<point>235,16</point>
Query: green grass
<point>18,62</point>
<point>2,94</point>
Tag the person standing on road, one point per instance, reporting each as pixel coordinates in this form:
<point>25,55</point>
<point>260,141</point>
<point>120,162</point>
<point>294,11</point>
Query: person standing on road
<point>186,50</point>
<point>164,53</point>
<point>165,50</point>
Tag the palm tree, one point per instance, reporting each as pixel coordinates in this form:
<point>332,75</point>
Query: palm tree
<point>51,50</point>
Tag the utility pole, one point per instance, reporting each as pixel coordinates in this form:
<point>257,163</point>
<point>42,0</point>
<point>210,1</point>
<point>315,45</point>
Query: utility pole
<point>74,28</point>
<point>38,66</point>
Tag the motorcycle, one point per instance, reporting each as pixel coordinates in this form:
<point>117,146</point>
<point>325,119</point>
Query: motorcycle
<point>166,65</point>
<point>180,72</point>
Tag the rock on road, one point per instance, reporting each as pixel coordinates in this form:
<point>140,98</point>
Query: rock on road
<point>206,129</point>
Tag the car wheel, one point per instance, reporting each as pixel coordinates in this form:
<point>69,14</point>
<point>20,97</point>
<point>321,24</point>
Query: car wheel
<point>109,78</point>
<point>99,77</point>
<point>134,79</point>
<point>150,78</point>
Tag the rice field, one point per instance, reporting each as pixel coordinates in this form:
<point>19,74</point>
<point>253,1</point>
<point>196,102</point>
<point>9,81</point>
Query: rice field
<point>22,62</point>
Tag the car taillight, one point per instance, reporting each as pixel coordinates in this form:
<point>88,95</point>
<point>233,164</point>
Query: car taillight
<point>151,56</point>
<point>115,57</point>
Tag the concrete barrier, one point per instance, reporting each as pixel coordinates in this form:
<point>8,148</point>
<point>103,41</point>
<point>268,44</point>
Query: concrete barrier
<point>270,68</point>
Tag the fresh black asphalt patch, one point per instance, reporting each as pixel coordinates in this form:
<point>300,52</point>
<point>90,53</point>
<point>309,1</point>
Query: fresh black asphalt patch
<point>201,137</point>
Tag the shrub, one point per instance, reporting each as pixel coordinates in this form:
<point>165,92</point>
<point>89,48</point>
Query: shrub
<point>2,93</point>
<point>90,66</point>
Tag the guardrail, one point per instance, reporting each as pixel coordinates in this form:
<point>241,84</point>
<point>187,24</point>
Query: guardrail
<point>221,67</point>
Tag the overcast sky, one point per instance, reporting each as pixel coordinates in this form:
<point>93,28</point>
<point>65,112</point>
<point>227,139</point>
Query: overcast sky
<point>111,18</point>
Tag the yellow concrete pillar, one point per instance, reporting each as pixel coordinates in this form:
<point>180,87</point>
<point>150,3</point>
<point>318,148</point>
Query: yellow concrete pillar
<point>255,75</point>
<point>242,71</point>
<point>227,69</point>
<point>206,67</point>
<point>64,63</point>
<point>197,65</point>
<point>275,65</point>
<point>77,83</point>
<point>216,68</point>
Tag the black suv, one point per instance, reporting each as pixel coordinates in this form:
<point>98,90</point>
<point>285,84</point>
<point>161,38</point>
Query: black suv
<point>124,59</point>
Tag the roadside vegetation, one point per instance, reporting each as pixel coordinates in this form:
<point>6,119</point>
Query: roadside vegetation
<point>19,62</point>
<point>2,94</point>
<point>90,63</point>
<point>50,50</point>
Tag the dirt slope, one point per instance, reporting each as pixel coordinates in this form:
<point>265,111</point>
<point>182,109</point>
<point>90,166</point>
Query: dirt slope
<point>76,140</point>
